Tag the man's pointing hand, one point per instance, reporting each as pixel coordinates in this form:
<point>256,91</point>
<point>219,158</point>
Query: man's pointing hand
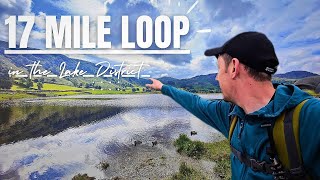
<point>156,84</point>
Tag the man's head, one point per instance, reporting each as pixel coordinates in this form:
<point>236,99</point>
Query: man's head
<point>249,54</point>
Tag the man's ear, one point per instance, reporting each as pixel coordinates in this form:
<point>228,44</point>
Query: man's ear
<point>234,68</point>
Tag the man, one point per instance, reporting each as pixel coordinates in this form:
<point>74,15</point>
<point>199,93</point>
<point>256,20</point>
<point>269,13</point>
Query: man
<point>245,65</point>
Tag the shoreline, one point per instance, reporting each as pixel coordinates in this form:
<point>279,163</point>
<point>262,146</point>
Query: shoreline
<point>8,95</point>
<point>159,162</point>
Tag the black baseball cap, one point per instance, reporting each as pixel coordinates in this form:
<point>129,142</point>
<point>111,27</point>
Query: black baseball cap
<point>253,49</point>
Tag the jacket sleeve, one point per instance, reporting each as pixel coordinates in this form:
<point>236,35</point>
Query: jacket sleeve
<point>310,136</point>
<point>213,113</point>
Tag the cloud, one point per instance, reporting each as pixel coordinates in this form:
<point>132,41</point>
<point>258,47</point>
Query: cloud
<point>12,8</point>
<point>217,10</point>
<point>40,20</point>
<point>164,75</point>
<point>92,8</point>
<point>299,58</point>
<point>20,7</point>
<point>292,26</point>
<point>308,31</point>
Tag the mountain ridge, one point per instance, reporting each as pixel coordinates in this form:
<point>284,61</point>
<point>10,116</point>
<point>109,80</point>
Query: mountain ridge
<point>51,62</point>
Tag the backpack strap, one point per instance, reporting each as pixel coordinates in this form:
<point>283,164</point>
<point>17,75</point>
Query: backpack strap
<point>286,140</point>
<point>233,123</point>
<point>255,165</point>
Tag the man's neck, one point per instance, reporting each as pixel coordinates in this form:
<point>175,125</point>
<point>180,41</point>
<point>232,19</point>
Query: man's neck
<point>254,96</point>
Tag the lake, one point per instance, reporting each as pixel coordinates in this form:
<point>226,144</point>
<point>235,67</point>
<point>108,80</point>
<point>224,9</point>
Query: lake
<point>57,138</point>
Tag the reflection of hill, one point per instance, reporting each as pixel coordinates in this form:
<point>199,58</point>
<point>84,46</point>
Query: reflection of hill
<point>31,122</point>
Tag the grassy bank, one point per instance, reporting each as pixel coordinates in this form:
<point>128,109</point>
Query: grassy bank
<point>52,90</point>
<point>215,151</point>
<point>12,96</point>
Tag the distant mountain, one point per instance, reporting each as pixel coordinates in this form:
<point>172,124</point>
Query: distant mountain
<point>48,61</point>
<point>52,63</point>
<point>295,75</point>
<point>209,82</point>
<point>201,83</point>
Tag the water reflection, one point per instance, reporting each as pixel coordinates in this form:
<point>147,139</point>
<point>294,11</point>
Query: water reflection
<point>19,123</point>
<point>57,138</point>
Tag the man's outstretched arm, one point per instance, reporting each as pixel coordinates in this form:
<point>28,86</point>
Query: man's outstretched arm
<point>214,113</point>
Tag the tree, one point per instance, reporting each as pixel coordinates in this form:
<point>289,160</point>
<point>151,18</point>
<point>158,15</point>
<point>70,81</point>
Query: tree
<point>40,85</point>
<point>29,83</point>
<point>5,82</point>
<point>97,87</point>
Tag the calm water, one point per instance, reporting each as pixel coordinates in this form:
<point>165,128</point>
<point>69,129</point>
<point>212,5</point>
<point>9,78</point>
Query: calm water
<point>57,138</point>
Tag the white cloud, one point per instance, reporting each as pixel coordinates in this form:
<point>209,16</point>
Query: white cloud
<point>309,30</point>
<point>40,20</point>
<point>164,75</point>
<point>153,62</point>
<point>92,8</point>
<point>10,8</point>
<point>284,22</point>
<point>299,58</point>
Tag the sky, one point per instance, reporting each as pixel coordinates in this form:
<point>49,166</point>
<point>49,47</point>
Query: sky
<point>292,25</point>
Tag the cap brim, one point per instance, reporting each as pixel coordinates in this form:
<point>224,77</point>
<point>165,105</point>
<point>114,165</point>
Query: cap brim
<point>213,51</point>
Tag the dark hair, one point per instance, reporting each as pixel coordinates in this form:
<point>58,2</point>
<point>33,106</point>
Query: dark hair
<point>227,59</point>
<point>256,75</point>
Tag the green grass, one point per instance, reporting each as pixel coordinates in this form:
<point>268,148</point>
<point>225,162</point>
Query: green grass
<point>187,173</point>
<point>47,86</point>
<point>11,96</point>
<point>60,90</point>
<point>194,149</point>
<point>16,87</point>
<point>220,153</point>
<point>58,87</point>
<point>215,151</point>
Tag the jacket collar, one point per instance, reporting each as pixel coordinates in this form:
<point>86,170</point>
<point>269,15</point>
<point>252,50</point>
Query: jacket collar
<point>286,97</point>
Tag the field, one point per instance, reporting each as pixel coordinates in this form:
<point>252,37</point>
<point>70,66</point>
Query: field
<point>47,86</point>
<point>49,90</point>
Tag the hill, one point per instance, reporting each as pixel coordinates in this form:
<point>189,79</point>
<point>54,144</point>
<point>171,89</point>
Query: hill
<point>201,83</point>
<point>52,63</point>
<point>295,75</point>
